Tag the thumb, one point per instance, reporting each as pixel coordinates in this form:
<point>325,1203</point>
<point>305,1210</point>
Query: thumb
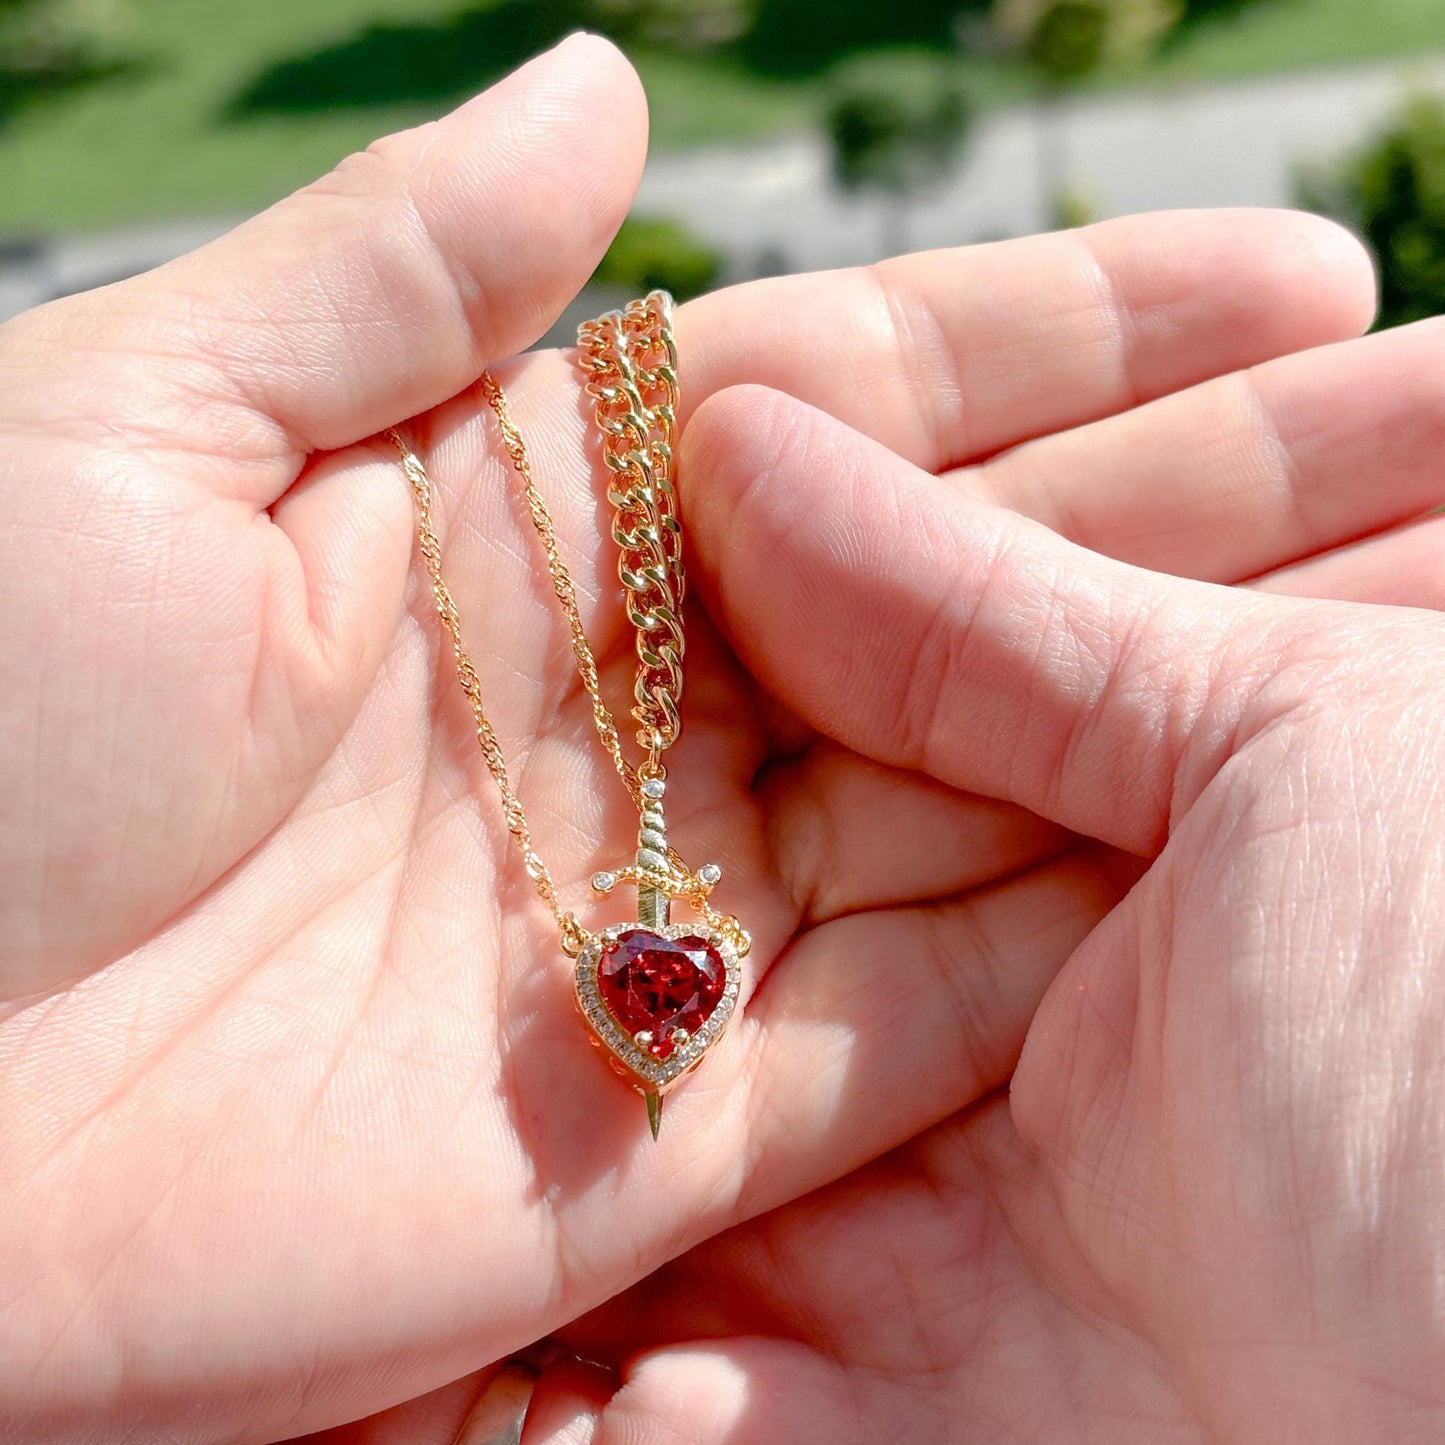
<point>220,621</point>
<point>935,632</point>
<point>366,298</point>
<point>731,1392</point>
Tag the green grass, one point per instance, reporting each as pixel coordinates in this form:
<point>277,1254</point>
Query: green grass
<point>1281,35</point>
<point>169,137</point>
<point>162,139</point>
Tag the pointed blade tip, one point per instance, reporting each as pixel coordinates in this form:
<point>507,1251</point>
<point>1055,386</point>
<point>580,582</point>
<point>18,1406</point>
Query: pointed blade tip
<point>654,1113</point>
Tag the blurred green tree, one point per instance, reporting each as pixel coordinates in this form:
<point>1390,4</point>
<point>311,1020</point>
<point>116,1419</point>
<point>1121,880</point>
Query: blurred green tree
<point>651,251</point>
<point>808,36</point>
<point>41,33</point>
<point>1207,12</point>
<point>1392,193</point>
<point>49,46</point>
<point>1066,42</point>
<point>898,124</point>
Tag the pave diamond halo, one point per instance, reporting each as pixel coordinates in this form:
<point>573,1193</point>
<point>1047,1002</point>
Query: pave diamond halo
<point>670,1048</point>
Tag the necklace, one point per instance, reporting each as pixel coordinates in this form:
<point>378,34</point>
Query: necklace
<point>655,995</point>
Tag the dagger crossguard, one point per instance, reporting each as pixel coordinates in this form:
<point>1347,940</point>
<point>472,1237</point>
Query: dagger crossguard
<point>661,876</point>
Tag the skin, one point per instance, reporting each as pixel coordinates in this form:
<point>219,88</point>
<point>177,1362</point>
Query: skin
<point>1095,1000</point>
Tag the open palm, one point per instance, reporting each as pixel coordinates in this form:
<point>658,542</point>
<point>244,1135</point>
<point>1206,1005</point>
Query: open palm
<point>1191,1184</point>
<point>298,1118</point>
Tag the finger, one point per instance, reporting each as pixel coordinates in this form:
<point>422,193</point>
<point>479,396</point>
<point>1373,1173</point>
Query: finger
<point>725,1392</point>
<point>566,1404</point>
<point>880,1024</point>
<point>1398,568</point>
<point>1247,472</point>
<point>369,296</point>
<point>926,630</point>
<point>846,833</point>
<point>948,356</point>
<point>780,1271</point>
<point>474,1410</point>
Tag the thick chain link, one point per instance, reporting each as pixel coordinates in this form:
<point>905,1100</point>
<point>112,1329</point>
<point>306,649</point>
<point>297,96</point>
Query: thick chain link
<point>631,363</point>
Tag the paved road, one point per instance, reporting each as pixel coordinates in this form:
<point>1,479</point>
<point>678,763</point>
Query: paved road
<point>1218,146</point>
<point>773,207</point>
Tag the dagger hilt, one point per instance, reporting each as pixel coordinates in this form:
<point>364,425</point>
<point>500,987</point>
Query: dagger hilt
<point>654,907</point>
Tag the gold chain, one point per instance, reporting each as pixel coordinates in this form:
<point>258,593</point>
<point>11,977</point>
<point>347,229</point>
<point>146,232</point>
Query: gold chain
<point>582,653</point>
<point>631,363</point>
<point>574,937</point>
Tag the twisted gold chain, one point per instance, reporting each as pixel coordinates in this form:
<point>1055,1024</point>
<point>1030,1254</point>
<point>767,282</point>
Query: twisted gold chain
<point>631,364</point>
<point>573,935</point>
<point>566,593</point>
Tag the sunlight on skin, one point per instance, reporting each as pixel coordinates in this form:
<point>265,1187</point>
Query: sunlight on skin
<point>291,1067</point>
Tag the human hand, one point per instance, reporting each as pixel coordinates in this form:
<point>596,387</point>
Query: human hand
<point>298,1121</point>
<point>1206,1204</point>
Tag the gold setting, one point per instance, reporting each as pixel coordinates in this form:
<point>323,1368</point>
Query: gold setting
<point>642,1071</point>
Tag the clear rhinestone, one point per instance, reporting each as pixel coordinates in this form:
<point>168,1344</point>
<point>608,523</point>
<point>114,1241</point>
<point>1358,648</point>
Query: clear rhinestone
<point>653,787</point>
<point>603,881</point>
<point>711,874</point>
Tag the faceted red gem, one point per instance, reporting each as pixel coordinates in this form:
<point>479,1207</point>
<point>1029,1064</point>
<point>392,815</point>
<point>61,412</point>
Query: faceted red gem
<point>661,984</point>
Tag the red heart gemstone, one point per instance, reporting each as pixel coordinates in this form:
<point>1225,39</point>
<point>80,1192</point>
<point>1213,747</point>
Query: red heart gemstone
<point>660,984</point>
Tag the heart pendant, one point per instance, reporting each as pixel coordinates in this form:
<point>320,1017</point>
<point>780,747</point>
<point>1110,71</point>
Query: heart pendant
<point>657,999</point>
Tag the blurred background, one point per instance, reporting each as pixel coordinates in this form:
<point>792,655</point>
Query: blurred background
<point>788,134</point>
